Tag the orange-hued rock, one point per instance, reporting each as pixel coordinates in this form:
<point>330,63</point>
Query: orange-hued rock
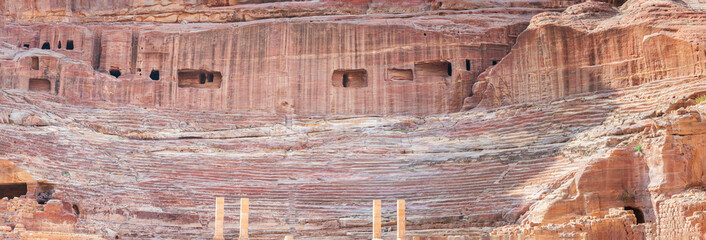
<point>618,224</point>
<point>176,11</point>
<point>593,46</point>
<point>490,119</point>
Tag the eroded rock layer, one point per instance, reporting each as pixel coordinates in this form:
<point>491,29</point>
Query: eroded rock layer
<point>593,46</point>
<point>587,125</point>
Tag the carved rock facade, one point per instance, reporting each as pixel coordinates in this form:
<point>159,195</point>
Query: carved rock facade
<point>493,120</point>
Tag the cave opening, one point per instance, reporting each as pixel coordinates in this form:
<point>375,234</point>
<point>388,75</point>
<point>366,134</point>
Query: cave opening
<point>468,65</point>
<point>346,80</point>
<point>13,190</point>
<point>76,210</point>
<point>350,78</point>
<point>58,45</point>
<point>46,45</point>
<point>495,62</point>
<point>189,78</point>
<point>70,45</point>
<point>45,191</point>
<point>154,75</point>
<point>26,45</point>
<point>436,68</point>
<point>39,85</point>
<point>639,216</point>
<point>115,73</point>
<point>202,78</point>
<point>35,63</point>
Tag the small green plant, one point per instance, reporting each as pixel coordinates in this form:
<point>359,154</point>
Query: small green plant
<point>626,196</point>
<point>638,148</point>
<point>65,173</point>
<point>701,99</point>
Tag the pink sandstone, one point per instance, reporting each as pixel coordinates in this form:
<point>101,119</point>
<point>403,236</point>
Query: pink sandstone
<point>491,119</point>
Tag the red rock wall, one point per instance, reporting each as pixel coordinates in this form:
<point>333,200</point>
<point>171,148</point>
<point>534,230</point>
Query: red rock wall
<point>264,72</point>
<point>145,158</point>
<point>558,56</point>
<point>175,11</point>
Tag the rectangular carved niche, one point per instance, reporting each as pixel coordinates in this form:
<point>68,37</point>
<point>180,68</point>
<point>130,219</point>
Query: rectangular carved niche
<point>13,190</point>
<point>436,68</point>
<point>394,74</point>
<point>35,63</point>
<point>199,79</point>
<point>350,78</point>
<point>39,85</point>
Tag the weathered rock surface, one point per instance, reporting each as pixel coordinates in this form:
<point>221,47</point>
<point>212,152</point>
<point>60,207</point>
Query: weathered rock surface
<point>176,11</point>
<point>593,46</point>
<point>590,127</point>
<point>378,64</point>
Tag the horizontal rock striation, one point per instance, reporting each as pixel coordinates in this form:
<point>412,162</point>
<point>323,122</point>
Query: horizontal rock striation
<point>583,50</point>
<point>588,125</point>
<point>235,11</point>
<point>316,178</point>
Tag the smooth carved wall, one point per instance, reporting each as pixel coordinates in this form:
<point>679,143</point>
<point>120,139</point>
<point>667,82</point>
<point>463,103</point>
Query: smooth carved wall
<point>275,67</point>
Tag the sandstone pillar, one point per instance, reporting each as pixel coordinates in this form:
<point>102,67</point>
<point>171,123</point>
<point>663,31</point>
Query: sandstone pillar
<point>244,214</point>
<point>400,220</point>
<point>377,220</point>
<point>218,235</point>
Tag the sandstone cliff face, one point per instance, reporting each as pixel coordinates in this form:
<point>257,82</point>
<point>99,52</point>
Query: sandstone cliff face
<point>339,65</point>
<point>592,47</point>
<point>175,11</point>
<point>589,127</point>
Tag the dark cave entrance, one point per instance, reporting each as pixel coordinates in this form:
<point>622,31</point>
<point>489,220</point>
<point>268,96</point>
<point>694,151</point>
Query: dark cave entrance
<point>350,78</point>
<point>346,80</point>
<point>189,78</point>
<point>59,46</point>
<point>13,190</point>
<point>638,214</point>
<point>115,73</point>
<point>44,192</point>
<point>76,210</point>
<point>46,46</point>
<point>202,78</point>
<point>154,75</point>
<point>70,45</point>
